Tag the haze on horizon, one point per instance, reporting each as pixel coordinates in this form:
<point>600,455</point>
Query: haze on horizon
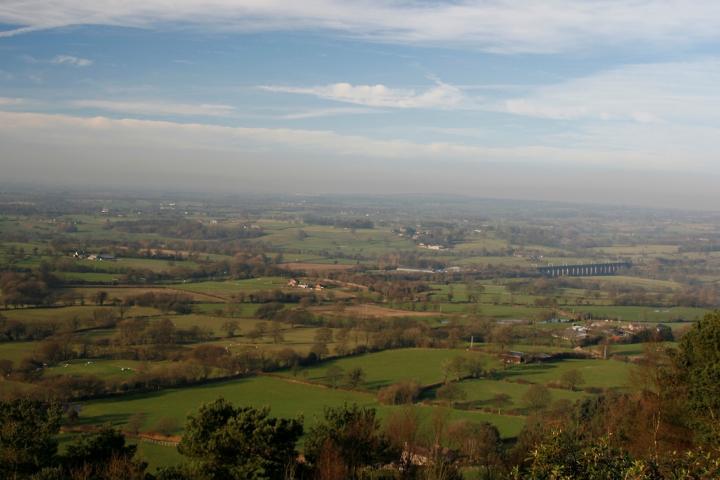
<point>606,102</point>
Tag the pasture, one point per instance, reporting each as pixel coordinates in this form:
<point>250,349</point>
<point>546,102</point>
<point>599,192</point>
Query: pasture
<point>286,398</point>
<point>596,373</point>
<point>423,365</point>
<point>644,314</point>
<point>480,393</point>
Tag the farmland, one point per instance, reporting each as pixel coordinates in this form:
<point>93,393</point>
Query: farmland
<point>138,319</point>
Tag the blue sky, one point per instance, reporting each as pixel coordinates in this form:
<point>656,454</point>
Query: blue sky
<point>617,99</point>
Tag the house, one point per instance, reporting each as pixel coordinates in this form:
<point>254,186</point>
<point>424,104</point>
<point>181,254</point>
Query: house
<point>513,357</point>
<point>99,257</point>
<point>634,327</point>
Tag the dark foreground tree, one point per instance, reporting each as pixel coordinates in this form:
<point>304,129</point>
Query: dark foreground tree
<point>347,440</point>
<point>228,442</point>
<point>698,364</point>
<point>564,455</point>
<point>103,455</point>
<point>27,437</point>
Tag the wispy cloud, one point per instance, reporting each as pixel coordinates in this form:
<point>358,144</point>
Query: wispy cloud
<point>22,30</point>
<point>71,60</point>
<point>492,25</point>
<point>673,92</point>
<point>102,132</point>
<point>5,101</point>
<point>156,108</point>
<point>327,112</point>
<point>441,95</point>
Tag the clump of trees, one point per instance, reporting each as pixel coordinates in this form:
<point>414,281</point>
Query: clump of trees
<point>400,393</point>
<point>166,302</point>
<point>20,289</point>
<point>29,447</point>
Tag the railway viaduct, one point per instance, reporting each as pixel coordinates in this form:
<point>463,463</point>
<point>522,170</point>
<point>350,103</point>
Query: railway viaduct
<point>585,270</point>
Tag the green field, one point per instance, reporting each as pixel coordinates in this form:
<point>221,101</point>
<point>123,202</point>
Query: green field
<point>596,373</point>
<point>105,369</point>
<point>480,392</point>
<point>384,368</point>
<point>89,277</point>
<point>343,243</point>
<point>16,351</point>
<point>82,313</point>
<point>285,397</point>
<point>226,289</point>
<point>644,314</point>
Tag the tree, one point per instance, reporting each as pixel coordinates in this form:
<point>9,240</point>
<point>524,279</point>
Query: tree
<point>92,452</point>
<point>451,392</point>
<point>503,336</point>
<point>572,379</point>
<point>402,428</point>
<point>239,443</point>
<point>501,400</point>
<point>457,367</point>
<point>351,437</point>
<point>479,443</point>
<point>162,332</point>
<point>6,367</point>
<point>475,365</point>
<point>230,327</point>
<point>100,297</point>
<point>323,335</point>
<point>269,311</point>
<point>258,331</point>
<point>28,431</point>
<point>320,350</point>
<point>399,393</point>
<point>563,456</point>
<point>355,377</point>
<point>276,332</point>
<point>698,364</point>
<point>334,374</point>
<point>536,397</point>
<point>165,426</point>
<point>135,423</point>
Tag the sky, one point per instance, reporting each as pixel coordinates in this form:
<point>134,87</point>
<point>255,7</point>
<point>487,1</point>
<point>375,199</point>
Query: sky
<point>604,101</point>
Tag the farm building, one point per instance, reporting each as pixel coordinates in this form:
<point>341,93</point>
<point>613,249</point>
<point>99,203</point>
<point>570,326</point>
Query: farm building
<point>513,357</point>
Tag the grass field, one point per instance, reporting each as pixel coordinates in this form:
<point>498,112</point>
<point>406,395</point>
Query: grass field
<point>596,373</point>
<point>16,351</point>
<point>245,310</point>
<point>82,313</point>
<point>212,323</point>
<point>105,369</point>
<point>228,288</point>
<point>300,339</point>
<point>648,283</point>
<point>644,314</point>
<point>480,392</point>
<point>384,368</point>
<point>286,399</point>
<point>637,250</point>
<point>90,277</point>
<point>124,264</point>
<point>341,242</point>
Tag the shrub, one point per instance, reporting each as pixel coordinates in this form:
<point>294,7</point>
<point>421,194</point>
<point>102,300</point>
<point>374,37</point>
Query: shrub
<point>399,393</point>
